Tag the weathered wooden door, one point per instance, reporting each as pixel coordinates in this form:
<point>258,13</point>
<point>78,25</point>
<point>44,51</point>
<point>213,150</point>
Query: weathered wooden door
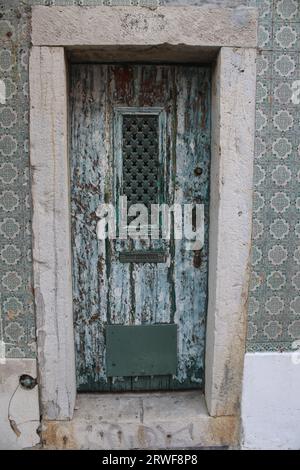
<point>140,131</point>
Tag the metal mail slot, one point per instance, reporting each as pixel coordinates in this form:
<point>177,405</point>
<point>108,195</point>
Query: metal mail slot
<point>142,257</point>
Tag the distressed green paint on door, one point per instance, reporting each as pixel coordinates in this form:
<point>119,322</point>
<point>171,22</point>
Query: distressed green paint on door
<point>107,290</point>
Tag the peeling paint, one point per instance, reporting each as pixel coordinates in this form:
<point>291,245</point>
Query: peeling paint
<point>105,290</point>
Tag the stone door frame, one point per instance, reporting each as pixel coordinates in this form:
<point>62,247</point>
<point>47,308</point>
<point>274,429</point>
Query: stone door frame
<point>226,38</point>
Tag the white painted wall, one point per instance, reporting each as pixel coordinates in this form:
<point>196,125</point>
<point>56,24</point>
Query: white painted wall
<point>21,405</point>
<point>271,401</point>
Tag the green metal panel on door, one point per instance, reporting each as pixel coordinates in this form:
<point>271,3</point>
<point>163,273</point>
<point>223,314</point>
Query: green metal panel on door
<point>140,350</point>
<point>142,131</point>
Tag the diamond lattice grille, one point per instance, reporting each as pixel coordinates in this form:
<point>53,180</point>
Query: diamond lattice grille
<point>140,159</point>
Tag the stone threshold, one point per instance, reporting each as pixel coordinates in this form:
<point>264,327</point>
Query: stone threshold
<point>159,420</point>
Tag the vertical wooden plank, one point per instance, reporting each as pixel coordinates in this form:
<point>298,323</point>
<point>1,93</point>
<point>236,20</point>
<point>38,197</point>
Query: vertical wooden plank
<point>88,129</point>
<point>121,297</point>
<point>151,281</point>
<point>190,272</point>
<point>153,88</point>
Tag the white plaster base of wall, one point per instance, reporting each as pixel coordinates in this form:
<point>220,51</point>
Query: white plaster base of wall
<point>271,401</point>
<point>24,406</point>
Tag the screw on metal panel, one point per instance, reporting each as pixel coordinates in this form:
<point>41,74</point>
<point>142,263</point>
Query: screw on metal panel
<point>27,382</point>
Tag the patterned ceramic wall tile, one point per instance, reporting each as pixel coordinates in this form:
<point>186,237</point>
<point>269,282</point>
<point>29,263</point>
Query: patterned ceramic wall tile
<point>274,301</point>
<point>274,304</point>
<point>17,313</point>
